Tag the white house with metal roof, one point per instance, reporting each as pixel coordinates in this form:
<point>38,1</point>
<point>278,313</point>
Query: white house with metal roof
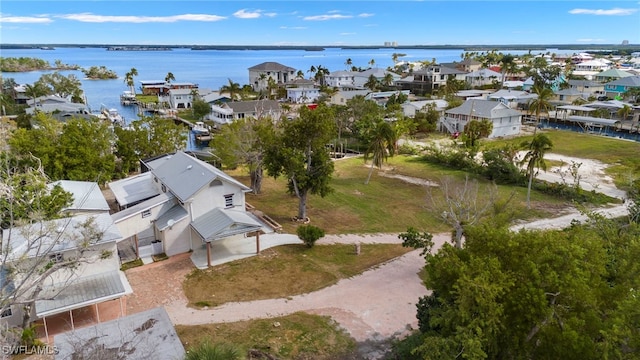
<point>228,112</point>
<point>506,121</point>
<point>196,204</point>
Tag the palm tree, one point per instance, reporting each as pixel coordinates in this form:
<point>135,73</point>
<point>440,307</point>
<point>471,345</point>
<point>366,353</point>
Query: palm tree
<point>348,63</point>
<point>625,111</point>
<point>534,158</point>
<point>387,80</point>
<point>541,103</point>
<point>233,89</point>
<point>169,78</point>
<point>35,91</point>
<point>372,83</point>
<point>381,146</point>
<point>372,62</point>
<point>128,79</point>
<point>507,63</point>
<point>300,74</point>
<point>261,79</point>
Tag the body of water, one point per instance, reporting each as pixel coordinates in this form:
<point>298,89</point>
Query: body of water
<point>210,69</point>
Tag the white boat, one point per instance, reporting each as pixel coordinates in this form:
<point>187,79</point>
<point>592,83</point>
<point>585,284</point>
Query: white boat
<point>128,98</point>
<point>199,128</point>
<point>113,116</point>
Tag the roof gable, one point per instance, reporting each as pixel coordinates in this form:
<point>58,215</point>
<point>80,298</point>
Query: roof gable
<point>184,175</point>
<point>271,66</point>
<point>220,223</point>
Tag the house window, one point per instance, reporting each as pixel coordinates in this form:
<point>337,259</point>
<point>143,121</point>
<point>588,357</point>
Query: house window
<point>56,258</point>
<point>228,200</point>
<point>6,313</point>
<point>146,213</point>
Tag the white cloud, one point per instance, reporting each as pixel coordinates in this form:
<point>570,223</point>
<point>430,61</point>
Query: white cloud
<point>614,11</point>
<point>347,33</point>
<point>244,14</point>
<point>293,27</point>
<point>365,15</point>
<point>326,17</point>
<point>91,18</point>
<point>25,19</point>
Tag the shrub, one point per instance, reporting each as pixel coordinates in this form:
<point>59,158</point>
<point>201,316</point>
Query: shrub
<point>309,234</point>
<point>209,351</point>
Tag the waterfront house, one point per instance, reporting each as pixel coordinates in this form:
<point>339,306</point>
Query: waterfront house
<point>511,98</point>
<point>340,79</point>
<point>180,98</point>
<point>302,91</point>
<point>91,290</point>
<point>410,108</point>
<point>506,121</point>
<point>483,77</point>
<point>362,77</point>
<point>593,88</point>
<point>591,68</point>
<point>196,204</point>
<point>260,74</point>
<point>55,104</point>
<point>611,75</point>
<point>429,79</point>
<point>569,95</point>
<point>161,87</point>
<point>228,112</point>
<point>466,65</point>
<point>618,88</point>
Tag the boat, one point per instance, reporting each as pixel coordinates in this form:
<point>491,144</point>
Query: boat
<point>199,128</point>
<point>128,98</point>
<point>112,116</point>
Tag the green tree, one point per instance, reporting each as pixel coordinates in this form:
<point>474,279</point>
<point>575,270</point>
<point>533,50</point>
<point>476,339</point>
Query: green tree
<point>625,111</point>
<point>534,158</point>
<point>200,108</point>
<point>309,234</point>
<point>35,91</point>
<point>475,130</point>
<point>372,83</point>
<point>244,141</point>
<point>300,154</point>
<point>381,145</point>
<point>541,103</point>
<point>534,295</point>
<point>233,89</point>
<point>169,78</point>
<point>129,79</point>
<point>63,86</point>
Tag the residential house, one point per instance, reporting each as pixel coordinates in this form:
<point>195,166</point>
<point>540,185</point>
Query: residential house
<point>381,97</point>
<point>340,79</point>
<point>302,91</point>
<point>228,112</point>
<point>260,74</point>
<point>617,88</point>
<point>466,65</point>
<point>161,88</point>
<point>592,87</point>
<point>591,68</point>
<point>88,292</point>
<point>362,77</point>
<point>215,98</point>
<point>569,95</point>
<point>410,108</point>
<point>429,79</point>
<point>197,204</point>
<point>56,104</point>
<point>611,75</point>
<point>180,98</point>
<point>483,77</point>
<point>342,96</point>
<point>145,335</point>
<point>506,121</point>
<point>512,98</point>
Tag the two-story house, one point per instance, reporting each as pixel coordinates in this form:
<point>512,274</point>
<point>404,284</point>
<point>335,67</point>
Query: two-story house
<point>260,74</point>
<point>226,113</point>
<point>618,88</point>
<point>430,79</point>
<point>89,288</point>
<point>302,91</point>
<point>196,204</point>
<point>506,121</point>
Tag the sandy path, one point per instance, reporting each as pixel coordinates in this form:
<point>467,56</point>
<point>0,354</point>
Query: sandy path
<point>376,304</point>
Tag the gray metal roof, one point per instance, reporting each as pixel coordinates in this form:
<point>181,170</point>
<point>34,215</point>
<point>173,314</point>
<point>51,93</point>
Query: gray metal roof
<point>133,189</point>
<point>220,223</point>
<point>184,175</point>
<point>576,108</point>
<point>80,292</point>
<point>253,106</point>
<point>631,81</point>
<point>592,120</point>
<point>43,238</point>
<point>86,195</point>
<point>271,66</point>
<point>487,109</point>
<point>175,214</point>
<point>141,336</point>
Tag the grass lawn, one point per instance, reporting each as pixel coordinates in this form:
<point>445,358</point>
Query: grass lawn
<point>622,155</point>
<point>385,204</point>
<point>283,271</point>
<point>296,336</point>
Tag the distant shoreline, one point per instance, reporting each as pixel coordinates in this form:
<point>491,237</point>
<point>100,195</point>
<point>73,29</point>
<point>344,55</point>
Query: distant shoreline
<point>594,47</point>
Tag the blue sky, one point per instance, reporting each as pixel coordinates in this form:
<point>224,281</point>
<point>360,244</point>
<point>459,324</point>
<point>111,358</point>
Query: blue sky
<point>355,22</point>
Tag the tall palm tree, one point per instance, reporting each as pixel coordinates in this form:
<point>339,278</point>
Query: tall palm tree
<point>372,83</point>
<point>35,91</point>
<point>534,158</point>
<point>233,89</point>
<point>541,103</point>
<point>381,146</point>
<point>128,79</point>
<point>387,80</point>
<point>169,78</point>
<point>625,111</point>
<point>300,74</point>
